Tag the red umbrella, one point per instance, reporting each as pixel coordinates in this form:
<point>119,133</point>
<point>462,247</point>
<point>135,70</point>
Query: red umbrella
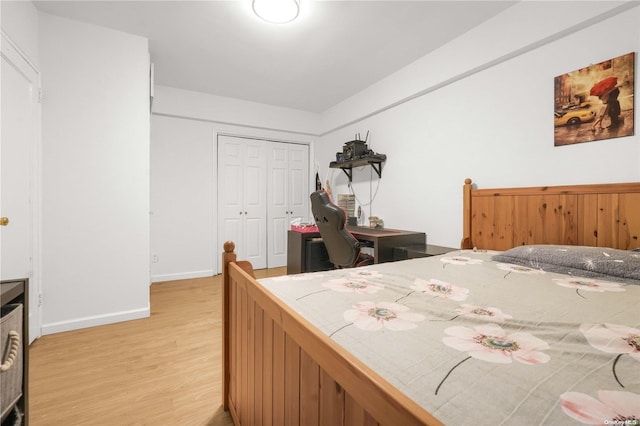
<point>604,86</point>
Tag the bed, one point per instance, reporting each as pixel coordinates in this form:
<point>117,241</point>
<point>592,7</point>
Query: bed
<point>534,320</point>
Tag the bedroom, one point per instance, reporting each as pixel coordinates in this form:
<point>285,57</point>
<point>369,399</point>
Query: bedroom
<point>506,134</point>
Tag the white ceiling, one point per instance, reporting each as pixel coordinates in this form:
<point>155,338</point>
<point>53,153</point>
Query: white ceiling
<point>334,50</point>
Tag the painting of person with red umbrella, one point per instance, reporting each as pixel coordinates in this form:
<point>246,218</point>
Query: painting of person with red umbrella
<point>595,102</point>
<point>608,92</point>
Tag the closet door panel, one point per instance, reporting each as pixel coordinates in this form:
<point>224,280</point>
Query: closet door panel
<point>231,195</point>
<point>242,197</point>
<point>277,182</point>
<point>255,169</point>
<point>255,202</point>
<point>278,208</point>
<point>278,215</point>
<point>298,182</point>
<point>278,241</point>
<point>255,242</point>
<point>232,229</point>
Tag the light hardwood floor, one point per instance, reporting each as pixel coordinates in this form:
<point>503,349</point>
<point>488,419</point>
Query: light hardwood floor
<point>161,370</point>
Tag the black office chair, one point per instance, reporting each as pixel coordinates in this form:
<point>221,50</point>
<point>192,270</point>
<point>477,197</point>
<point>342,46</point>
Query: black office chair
<point>343,248</point>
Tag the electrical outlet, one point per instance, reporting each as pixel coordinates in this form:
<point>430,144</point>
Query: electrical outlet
<point>154,258</point>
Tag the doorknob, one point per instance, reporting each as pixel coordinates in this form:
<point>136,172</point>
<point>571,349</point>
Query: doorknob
<point>4,221</point>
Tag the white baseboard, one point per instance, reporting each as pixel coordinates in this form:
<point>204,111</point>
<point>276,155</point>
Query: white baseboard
<point>181,276</point>
<point>93,321</point>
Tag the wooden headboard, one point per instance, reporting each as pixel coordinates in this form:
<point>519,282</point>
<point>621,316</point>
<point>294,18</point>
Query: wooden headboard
<point>601,215</point>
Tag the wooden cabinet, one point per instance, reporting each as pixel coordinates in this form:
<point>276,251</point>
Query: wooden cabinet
<point>16,292</point>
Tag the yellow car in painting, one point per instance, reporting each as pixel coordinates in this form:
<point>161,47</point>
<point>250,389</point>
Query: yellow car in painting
<point>573,117</point>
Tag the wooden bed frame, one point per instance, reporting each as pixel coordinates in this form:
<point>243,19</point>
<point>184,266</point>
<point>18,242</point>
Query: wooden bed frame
<point>605,215</point>
<point>280,370</point>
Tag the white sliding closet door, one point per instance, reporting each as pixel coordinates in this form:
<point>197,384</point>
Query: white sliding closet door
<point>242,192</point>
<point>288,195</point>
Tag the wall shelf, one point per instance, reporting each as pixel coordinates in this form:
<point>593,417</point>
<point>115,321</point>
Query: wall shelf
<point>347,166</point>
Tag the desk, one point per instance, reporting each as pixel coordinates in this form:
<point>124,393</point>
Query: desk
<point>384,241</point>
<point>419,250</point>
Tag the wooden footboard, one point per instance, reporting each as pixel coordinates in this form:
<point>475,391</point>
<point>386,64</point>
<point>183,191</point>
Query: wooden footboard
<point>280,370</point>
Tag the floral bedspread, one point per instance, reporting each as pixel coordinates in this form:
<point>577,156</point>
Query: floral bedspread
<point>475,341</point>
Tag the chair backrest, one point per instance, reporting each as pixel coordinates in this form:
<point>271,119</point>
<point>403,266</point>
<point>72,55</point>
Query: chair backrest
<point>343,248</point>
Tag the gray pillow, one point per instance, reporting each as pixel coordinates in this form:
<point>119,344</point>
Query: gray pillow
<point>589,262</point>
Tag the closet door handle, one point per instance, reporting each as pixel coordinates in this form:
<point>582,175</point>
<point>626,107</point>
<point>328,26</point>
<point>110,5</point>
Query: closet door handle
<point>4,221</point>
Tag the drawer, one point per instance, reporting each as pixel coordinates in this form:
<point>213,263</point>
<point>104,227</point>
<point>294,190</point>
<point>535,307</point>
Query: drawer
<point>11,362</point>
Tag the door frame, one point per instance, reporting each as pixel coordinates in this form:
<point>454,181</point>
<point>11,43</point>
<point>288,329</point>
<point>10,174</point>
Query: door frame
<point>12,53</point>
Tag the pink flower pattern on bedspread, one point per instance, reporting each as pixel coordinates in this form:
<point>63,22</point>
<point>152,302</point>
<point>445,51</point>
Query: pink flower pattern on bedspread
<point>489,342</point>
<point>614,408</point>
<point>364,273</point>
<point>588,284</point>
<point>437,288</point>
<point>613,338</point>
<point>518,269</point>
<point>346,285</point>
<point>372,316</point>
<point>460,260</point>
<point>484,313</point>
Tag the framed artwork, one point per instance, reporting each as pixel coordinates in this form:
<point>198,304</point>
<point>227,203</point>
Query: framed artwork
<point>595,103</point>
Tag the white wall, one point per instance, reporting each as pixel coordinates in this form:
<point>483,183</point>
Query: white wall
<point>182,195</point>
<point>96,131</point>
<point>520,28</point>
<point>233,112</point>
<point>491,123</point>
<point>20,23</point>
<point>184,126</point>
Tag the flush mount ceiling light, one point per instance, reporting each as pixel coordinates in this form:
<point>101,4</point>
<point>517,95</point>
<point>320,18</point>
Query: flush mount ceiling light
<point>276,11</point>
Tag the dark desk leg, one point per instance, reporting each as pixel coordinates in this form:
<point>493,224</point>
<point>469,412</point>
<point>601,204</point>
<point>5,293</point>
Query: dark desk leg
<point>295,252</point>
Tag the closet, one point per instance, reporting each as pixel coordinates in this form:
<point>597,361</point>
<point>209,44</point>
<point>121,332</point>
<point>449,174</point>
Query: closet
<point>262,186</point>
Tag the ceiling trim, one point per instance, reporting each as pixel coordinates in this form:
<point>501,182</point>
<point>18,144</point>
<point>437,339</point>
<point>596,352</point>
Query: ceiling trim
<point>230,123</point>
